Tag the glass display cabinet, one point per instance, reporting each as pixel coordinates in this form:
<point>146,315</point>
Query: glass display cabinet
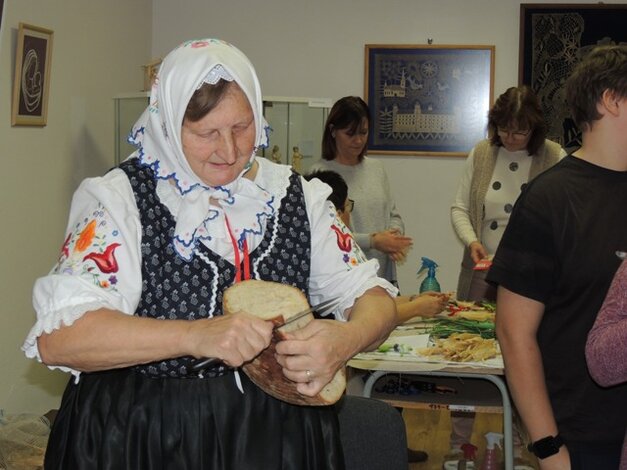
<point>296,127</point>
<point>127,108</point>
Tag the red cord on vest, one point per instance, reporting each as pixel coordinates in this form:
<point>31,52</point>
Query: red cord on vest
<point>238,266</point>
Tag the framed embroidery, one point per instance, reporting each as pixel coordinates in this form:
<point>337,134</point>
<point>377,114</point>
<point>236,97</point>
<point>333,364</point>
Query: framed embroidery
<point>553,39</point>
<point>426,99</point>
<point>32,76</point>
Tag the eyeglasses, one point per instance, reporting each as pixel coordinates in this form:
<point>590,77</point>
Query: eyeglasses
<point>349,206</point>
<point>517,134</point>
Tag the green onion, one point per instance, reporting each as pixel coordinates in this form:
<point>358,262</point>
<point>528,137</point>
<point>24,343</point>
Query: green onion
<point>444,327</point>
<point>489,306</point>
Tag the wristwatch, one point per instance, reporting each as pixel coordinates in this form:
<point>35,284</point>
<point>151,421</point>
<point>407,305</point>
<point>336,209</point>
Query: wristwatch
<point>546,446</point>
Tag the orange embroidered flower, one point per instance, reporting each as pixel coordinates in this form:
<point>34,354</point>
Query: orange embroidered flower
<point>86,236</point>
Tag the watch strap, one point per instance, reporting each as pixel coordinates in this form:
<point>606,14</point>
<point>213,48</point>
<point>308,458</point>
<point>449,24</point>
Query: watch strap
<point>547,446</point>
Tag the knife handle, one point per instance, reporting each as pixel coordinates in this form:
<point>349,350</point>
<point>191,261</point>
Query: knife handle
<point>202,364</point>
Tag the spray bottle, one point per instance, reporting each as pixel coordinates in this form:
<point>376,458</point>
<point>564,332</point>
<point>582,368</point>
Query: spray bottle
<point>430,283</point>
<point>465,462</point>
<point>490,461</point>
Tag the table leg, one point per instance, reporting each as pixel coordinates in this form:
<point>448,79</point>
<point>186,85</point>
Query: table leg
<point>508,436</point>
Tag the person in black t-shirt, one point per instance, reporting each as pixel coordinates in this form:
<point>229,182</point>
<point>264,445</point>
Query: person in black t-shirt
<point>553,267</point>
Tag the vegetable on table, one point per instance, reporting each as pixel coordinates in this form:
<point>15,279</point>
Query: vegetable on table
<point>445,327</point>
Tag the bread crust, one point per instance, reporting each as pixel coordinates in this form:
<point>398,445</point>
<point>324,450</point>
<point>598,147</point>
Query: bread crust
<point>277,302</point>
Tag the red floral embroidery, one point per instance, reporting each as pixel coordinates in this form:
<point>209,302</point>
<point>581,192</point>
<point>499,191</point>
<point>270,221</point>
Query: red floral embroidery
<point>197,44</point>
<point>65,250</point>
<point>106,261</point>
<point>344,240</point>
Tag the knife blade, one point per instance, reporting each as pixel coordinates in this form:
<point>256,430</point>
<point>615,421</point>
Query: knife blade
<point>322,308</point>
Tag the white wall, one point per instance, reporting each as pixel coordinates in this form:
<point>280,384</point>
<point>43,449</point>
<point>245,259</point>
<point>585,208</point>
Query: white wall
<point>300,48</point>
<point>98,49</point>
<point>316,49</point>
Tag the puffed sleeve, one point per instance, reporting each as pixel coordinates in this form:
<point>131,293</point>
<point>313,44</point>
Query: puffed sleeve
<point>99,264</point>
<point>338,266</point>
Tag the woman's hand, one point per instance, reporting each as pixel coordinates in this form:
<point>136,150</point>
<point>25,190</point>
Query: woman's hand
<point>313,354</point>
<point>426,305</point>
<point>107,339</point>
<point>235,339</point>
<point>477,251</point>
<point>429,304</point>
<point>393,243</point>
<point>322,347</point>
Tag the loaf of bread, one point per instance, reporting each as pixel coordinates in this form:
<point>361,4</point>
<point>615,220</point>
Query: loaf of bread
<point>277,303</point>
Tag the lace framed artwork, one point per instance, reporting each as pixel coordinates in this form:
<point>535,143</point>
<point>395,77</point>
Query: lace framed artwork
<point>553,39</point>
<point>32,76</point>
<point>428,99</point>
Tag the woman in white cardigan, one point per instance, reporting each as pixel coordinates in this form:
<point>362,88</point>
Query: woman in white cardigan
<point>496,171</point>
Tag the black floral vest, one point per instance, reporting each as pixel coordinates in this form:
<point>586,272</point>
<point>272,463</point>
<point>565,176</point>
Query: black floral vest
<point>174,288</point>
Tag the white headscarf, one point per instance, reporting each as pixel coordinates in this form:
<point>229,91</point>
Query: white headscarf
<point>157,133</point>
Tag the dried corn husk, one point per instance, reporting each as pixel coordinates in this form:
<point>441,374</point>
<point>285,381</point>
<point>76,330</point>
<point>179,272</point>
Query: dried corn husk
<point>462,347</point>
<point>477,315</point>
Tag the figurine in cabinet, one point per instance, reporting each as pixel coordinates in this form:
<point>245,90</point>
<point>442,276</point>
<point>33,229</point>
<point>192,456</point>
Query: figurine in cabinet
<point>150,73</point>
<point>276,154</point>
<point>297,159</point>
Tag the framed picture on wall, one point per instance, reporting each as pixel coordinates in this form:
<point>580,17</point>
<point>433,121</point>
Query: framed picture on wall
<point>428,99</point>
<point>553,39</point>
<point>32,76</point>
<point>1,12</point>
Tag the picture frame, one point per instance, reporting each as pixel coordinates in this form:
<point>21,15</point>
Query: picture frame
<point>1,14</point>
<point>31,84</point>
<point>553,39</point>
<point>427,99</point>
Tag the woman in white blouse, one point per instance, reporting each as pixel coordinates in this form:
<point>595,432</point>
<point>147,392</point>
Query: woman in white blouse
<point>496,170</point>
<point>135,298</point>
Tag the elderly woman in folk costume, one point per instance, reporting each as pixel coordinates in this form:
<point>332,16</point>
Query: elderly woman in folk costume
<point>136,295</point>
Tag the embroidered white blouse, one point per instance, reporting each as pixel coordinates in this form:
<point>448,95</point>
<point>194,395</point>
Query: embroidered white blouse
<point>100,262</point>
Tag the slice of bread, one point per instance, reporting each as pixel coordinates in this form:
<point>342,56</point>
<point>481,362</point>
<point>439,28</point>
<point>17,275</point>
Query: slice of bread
<point>277,303</point>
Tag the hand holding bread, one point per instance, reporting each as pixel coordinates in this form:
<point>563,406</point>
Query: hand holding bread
<point>306,381</point>
<point>304,362</point>
<point>233,339</point>
<point>322,347</point>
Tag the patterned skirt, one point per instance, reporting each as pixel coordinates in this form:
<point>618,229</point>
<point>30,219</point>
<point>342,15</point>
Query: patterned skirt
<point>121,419</point>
